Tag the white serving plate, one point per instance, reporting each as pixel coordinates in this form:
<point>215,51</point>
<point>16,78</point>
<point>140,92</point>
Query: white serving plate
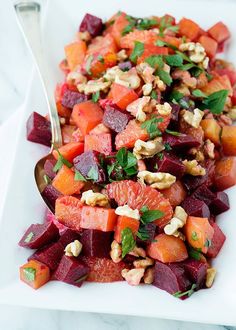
<point>24,206</point>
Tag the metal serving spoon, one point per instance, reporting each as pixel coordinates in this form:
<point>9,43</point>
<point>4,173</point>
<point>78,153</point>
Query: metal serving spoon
<point>28,17</point>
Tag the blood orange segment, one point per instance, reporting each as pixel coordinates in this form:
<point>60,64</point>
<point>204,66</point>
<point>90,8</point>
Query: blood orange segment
<point>146,36</point>
<point>103,270</point>
<point>137,195</point>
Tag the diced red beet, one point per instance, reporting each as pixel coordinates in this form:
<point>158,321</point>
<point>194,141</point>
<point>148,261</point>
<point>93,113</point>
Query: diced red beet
<point>48,168</point>
<point>220,204</point>
<point>125,66</point>
<point>174,121</point>
<point>92,24</point>
<point>68,236</point>
<point>196,270</point>
<point>49,255</point>
<point>196,208</point>
<point>96,243</point>
<point>38,235</point>
<point>50,217</point>
<point>39,129</point>
<point>89,162</point>
<point>71,98</point>
<point>170,277</point>
<point>151,231</point>
<point>71,270</point>
<point>204,194</point>
<point>193,182</point>
<point>182,141</point>
<point>115,119</point>
<point>169,163</point>
<point>50,194</point>
<point>216,242</point>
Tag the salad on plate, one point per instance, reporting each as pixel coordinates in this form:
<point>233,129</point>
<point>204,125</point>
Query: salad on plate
<point>146,112</point>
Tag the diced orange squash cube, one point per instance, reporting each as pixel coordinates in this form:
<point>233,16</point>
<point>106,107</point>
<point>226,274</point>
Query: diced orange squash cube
<point>219,32</point>
<point>210,45</point>
<point>65,183</point>
<point>189,28</point>
<point>102,45</point>
<point>68,211</point>
<point>86,116</point>
<point>75,53</point>
<point>225,173</point>
<point>100,142</point>
<point>199,233</point>
<point>120,22</point>
<point>121,95</point>
<point>175,194</point>
<point>125,222</point>
<point>228,140</point>
<point>217,84</point>
<point>70,150</point>
<point>211,130</point>
<point>98,218</point>
<point>149,50</point>
<point>35,274</point>
<point>130,134</point>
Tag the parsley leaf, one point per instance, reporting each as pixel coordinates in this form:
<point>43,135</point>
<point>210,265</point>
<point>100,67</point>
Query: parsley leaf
<point>60,162</point>
<point>166,24</point>
<point>79,176</point>
<point>155,61</point>
<point>176,95</point>
<point>198,93</point>
<point>145,23</point>
<point>208,243</point>
<point>215,102</point>
<point>164,76</point>
<point>186,67</point>
<point>95,96</point>
<point>88,64</point>
<point>174,60</point>
<point>173,132</point>
<point>194,236</point>
<point>188,293</point>
<point>167,146</point>
<point>127,241</point>
<point>161,43</point>
<point>194,254</point>
<point>151,127</point>
<point>29,237</point>
<point>153,95</point>
<point>150,215</point>
<point>137,51</point>
<point>47,179</point>
<point>29,274</point>
<point>143,233</point>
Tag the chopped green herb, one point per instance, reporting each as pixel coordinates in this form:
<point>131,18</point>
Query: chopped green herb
<point>174,60</point>
<point>150,215</point>
<point>82,278</point>
<point>95,96</point>
<point>137,51</point>
<point>153,95</point>
<point>93,174</point>
<point>60,162</point>
<point>161,43</point>
<point>183,103</point>
<point>194,236</point>
<point>155,61</point>
<point>127,241</point>
<point>209,76</point>
<point>173,132</point>
<point>100,58</point>
<point>215,102</point>
<point>166,24</point>
<point>164,76</point>
<point>79,176</point>
<point>151,127</point>
<point>47,179</point>
<point>29,237</point>
<point>143,233</point>
<point>167,146</point>
<point>196,71</point>
<point>127,29</point>
<point>184,56</point>
<point>88,64</point>
<point>194,254</point>
<point>156,166</point>
<point>188,293</point>
<point>176,95</point>
<point>145,23</point>
<point>160,155</point>
<point>186,67</point>
<point>208,243</point>
<point>29,274</point>
<point>198,93</point>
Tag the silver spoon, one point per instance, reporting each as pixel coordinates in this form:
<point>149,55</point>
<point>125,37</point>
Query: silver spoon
<point>28,17</point>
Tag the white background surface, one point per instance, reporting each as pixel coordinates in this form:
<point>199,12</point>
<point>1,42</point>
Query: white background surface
<point>15,70</point>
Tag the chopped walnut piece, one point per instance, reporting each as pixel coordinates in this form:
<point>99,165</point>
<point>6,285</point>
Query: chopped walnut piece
<point>93,86</point>
<point>193,118</point>
<point>76,78</point>
<point>133,276</point>
<point>193,168</point>
<point>128,212</point>
<point>146,72</point>
<point>164,109</point>
<point>185,77</point>
<point>128,79</point>
<point>94,198</point>
<point>148,277</point>
<point>138,108</point>
<point>232,114</point>
<point>143,263</point>
<point>158,180</point>
<point>122,55</point>
<point>159,84</point>
<point>73,249</point>
<point>209,149</point>
<point>211,273</point>
<point>147,149</point>
<point>147,89</point>
<point>138,252</point>
<point>196,53</point>
<point>85,36</point>
<point>116,252</point>
<point>177,222</point>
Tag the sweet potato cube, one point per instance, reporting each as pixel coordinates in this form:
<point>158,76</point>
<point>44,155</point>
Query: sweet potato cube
<point>75,53</point>
<point>125,222</point>
<point>68,211</point>
<point>98,218</point>
<point>65,182</point>
<point>34,273</point>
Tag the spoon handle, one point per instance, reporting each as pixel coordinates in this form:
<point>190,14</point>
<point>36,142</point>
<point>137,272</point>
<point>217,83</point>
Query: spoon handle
<point>28,17</point>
